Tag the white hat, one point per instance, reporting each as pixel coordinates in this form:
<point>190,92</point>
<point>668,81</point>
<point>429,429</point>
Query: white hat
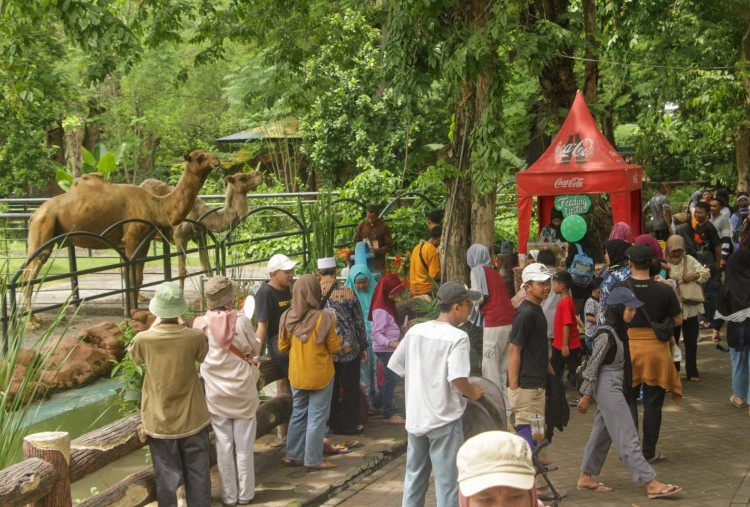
<point>280,262</point>
<point>327,263</point>
<point>494,458</point>
<point>535,272</point>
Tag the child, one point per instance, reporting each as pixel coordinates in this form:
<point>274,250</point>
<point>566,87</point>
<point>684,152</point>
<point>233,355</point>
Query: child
<point>591,312</point>
<point>566,344</point>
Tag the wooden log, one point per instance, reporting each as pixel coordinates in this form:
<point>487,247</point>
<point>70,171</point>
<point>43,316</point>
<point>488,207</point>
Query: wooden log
<point>270,371</point>
<point>27,482</point>
<point>53,447</point>
<point>273,412</point>
<point>95,450</point>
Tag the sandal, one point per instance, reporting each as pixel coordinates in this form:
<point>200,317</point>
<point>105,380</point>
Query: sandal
<point>353,444</point>
<point>395,420</point>
<point>733,400</point>
<point>657,458</point>
<point>325,465</point>
<point>288,462</point>
<point>694,379</point>
<point>594,487</point>
<point>667,490</point>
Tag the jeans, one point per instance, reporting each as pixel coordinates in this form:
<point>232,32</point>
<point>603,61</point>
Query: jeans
<point>181,458</point>
<point>690,337</point>
<point>304,437</point>
<point>740,371</point>
<point>557,361</point>
<point>280,357</point>
<point>653,399</point>
<point>435,450</point>
<point>390,381</point>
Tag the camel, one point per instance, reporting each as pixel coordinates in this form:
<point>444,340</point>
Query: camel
<point>93,204</point>
<point>235,208</point>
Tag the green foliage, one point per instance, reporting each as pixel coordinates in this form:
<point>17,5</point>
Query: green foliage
<point>101,160</point>
<point>130,376</point>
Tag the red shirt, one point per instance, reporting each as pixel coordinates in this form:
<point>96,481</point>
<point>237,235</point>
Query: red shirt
<point>497,308</point>
<point>566,314</point>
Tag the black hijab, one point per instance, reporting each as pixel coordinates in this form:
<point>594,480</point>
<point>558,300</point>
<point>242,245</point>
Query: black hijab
<point>735,293</point>
<point>616,249</point>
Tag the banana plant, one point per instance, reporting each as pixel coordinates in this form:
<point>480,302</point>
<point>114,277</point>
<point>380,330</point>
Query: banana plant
<point>100,160</point>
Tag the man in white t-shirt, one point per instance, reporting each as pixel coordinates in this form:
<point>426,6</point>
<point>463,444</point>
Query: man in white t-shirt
<point>433,358</point>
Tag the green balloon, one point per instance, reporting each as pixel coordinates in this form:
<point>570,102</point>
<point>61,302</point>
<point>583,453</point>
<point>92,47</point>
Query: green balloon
<point>573,228</point>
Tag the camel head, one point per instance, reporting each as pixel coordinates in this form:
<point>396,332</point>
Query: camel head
<point>244,182</point>
<point>200,163</point>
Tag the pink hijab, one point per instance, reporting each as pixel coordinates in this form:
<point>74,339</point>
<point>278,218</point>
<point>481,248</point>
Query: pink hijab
<point>647,239</point>
<point>622,231</point>
<point>221,322</point>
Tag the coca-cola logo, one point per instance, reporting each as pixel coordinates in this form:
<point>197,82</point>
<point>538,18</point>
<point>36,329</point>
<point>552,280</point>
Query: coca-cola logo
<point>569,183</point>
<point>576,147</point>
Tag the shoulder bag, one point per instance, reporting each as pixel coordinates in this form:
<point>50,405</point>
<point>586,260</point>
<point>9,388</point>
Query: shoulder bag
<point>691,293</point>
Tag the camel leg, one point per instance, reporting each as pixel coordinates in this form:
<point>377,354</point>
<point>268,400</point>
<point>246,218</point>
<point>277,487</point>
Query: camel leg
<point>202,241</point>
<point>181,237</point>
<point>30,273</point>
<point>41,230</point>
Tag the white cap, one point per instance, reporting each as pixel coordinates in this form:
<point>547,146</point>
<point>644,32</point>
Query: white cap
<point>280,262</point>
<point>535,272</point>
<point>327,263</point>
<point>494,458</point>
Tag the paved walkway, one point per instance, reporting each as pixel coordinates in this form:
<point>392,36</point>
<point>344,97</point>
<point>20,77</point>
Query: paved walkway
<point>705,439</point>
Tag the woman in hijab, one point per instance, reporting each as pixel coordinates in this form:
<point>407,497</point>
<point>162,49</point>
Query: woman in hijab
<point>622,231</point>
<point>386,334</point>
<point>606,378</point>
<point>617,270</point>
<point>552,232</point>
<point>734,306</point>
<point>231,393</point>
<point>686,269</point>
<point>309,334</point>
<point>362,282</point>
<point>494,314</point>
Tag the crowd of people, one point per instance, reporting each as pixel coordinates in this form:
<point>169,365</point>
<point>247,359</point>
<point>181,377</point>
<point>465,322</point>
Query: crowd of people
<point>343,349</point>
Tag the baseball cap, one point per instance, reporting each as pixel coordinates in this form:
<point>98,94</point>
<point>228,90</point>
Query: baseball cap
<point>280,262</point>
<point>640,253</point>
<point>624,296</point>
<point>453,292</point>
<point>494,458</point>
<point>535,272</point>
<point>168,301</point>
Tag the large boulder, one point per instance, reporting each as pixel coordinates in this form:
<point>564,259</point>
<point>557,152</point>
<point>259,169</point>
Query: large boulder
<point>74,363</point>
<point>106,336</point>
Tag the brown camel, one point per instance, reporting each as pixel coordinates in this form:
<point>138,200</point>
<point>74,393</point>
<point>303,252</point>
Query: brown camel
<point>235,208</point>
<point>92,204</point>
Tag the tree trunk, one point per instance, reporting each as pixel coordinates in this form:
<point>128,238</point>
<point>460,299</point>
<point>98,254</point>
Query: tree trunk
<point>742,137</point>
<point>93,130</point>
<point>590,65</point>
<point>53,447</point>
<point>73,153</point>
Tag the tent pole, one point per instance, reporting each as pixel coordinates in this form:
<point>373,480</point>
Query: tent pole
<point>455,185</point>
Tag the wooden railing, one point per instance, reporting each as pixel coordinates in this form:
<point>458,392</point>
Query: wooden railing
<point>52,462</point>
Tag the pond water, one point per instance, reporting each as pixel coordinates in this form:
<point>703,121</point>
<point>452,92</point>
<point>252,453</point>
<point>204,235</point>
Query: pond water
<point>80,411</point>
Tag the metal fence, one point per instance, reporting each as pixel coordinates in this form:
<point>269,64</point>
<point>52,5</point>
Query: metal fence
<point>220,247</point>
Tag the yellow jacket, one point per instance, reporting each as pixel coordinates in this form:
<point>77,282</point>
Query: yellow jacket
<point>310,364</point>
<point>418,279</point>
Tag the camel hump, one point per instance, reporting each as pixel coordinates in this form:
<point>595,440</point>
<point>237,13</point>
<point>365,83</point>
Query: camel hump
<point>155,187</point>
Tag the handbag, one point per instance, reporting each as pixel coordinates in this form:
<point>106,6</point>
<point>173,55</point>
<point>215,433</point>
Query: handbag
<point>691,293</point>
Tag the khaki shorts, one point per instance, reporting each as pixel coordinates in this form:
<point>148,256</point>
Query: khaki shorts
<point>526,403</point>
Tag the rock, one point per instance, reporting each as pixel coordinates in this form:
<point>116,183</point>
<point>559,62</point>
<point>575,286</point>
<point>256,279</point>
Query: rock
<point>143,316</point>
<point>74,363</point>
<point>106,336</point>
<point>138,326</point>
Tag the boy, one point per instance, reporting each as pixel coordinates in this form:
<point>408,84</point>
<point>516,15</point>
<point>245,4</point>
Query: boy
<point>591,312</point>
<point>174,412</point>
<point>433,358</point>
<point>566,345</point>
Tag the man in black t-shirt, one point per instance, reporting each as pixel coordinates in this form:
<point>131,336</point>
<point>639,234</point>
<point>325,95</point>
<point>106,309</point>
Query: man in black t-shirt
<point>528,357</point>
<point>272,299</point>
<point>651,358</point>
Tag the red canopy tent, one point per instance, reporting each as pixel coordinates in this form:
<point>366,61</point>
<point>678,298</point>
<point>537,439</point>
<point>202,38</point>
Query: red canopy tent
<point>580,160</point>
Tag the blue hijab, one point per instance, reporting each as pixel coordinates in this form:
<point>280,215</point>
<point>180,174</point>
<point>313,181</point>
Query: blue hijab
<point>364,297</point>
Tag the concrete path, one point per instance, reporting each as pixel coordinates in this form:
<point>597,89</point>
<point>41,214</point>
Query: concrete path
<point>706,441</point>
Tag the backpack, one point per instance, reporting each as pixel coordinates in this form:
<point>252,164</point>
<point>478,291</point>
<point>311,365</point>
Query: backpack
<point>741,214</point>
<point>582,268</point>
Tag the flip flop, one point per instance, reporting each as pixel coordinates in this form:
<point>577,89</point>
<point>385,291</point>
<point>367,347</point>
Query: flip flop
<point>395,420</point>
<point>353,444</point>
<point>657,458</point>
<point>734,403</point>
<point>694,379</point>
<point>668,491</point>
<point>596,487</point>
<point>325,465</point>
<point>342,450</point>
<point>290,462</point>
